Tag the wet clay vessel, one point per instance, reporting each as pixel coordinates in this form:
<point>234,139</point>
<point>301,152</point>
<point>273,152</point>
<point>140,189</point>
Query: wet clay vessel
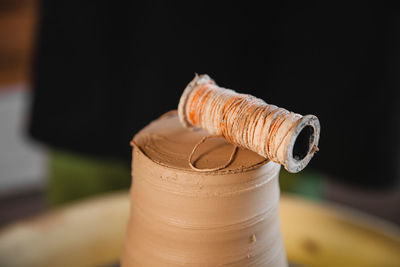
<point>180,217</point>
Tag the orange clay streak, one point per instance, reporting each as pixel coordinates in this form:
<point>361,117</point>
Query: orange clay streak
<point>252,109</point>
<point>271,129</point>
<point>236,104</point>
<point>242,125</point>
<point>256,121</point>
<point>203,100</point>
<point>274,130</point>
<point>194,104</point>
<point>224,124</point>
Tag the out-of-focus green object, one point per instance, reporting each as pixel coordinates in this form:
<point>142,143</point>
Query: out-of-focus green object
<point>74,176</point>
<point>308,183</point>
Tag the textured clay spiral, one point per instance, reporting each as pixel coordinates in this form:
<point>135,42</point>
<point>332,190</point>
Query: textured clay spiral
<point>282,136</point>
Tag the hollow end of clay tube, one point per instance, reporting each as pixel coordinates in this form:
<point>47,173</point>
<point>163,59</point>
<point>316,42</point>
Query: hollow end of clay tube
<point>303,143</point>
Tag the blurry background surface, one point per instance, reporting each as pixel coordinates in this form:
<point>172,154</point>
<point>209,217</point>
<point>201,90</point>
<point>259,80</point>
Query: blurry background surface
<point>79,78</point>
<point>23,162</point>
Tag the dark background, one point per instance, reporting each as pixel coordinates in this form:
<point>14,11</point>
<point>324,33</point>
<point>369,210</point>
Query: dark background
<point>104,69</point>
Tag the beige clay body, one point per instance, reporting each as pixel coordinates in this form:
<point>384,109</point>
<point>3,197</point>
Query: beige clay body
<point>180,217</point>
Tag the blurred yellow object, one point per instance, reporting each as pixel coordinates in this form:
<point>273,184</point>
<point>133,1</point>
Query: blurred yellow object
<point>91,233</point>
<point>327,235</point>
<point>87,233</point>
